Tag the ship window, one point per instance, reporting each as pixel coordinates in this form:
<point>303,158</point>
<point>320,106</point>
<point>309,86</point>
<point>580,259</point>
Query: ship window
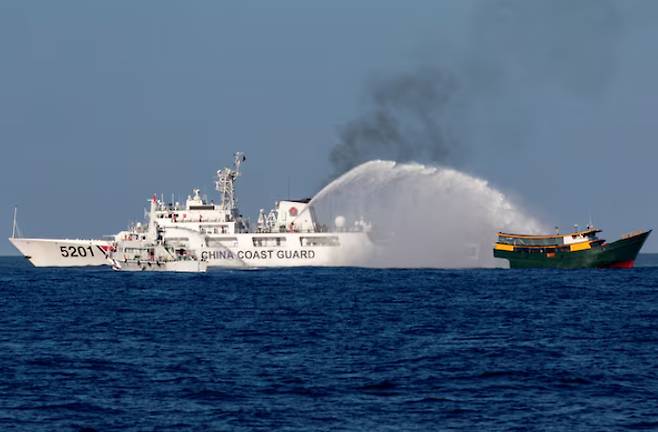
<point>131,250</point>
<point>320,241</point>
<point>269,241</point>
<point>544,242</point>
<point>213,229</point>
<point>222,241</point>
<point>522,241</point>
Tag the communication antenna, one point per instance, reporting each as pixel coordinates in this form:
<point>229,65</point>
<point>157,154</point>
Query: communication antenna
<point>225,184</point>
<point>238,158</point>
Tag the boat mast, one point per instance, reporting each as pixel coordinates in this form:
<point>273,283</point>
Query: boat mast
<point>13,229</point>
<point>225,184</point>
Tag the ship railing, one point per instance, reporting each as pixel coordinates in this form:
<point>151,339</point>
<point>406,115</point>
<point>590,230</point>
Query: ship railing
<point>632,234</point>
<point>204,220</point>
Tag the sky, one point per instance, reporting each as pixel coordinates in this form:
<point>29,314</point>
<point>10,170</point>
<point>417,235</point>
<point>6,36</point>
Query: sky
<point>103,104</point>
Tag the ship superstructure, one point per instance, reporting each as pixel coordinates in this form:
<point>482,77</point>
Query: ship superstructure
<point>287,235</point>
<point>145,249</point>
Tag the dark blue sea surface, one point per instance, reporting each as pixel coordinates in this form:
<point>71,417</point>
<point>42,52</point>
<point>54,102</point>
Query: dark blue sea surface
<point>328,349</point>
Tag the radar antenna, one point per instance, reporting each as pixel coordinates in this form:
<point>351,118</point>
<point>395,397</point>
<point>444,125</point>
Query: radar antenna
<point>225,184</point>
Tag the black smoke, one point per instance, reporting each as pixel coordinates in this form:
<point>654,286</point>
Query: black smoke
<point>405,121</point>
<point>516,53</point>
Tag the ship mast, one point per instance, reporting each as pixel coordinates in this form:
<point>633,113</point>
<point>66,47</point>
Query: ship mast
<point>13,229</point>
<point>225,184</point>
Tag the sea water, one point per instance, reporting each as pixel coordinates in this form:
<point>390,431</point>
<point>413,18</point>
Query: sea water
<point>328,350</point>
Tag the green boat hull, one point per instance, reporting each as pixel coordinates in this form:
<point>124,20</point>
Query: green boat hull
<point>619,254</point>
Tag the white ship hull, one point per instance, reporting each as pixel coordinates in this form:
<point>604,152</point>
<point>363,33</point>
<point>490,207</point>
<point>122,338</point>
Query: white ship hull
<point>62,253</point>
<point>344,249</point>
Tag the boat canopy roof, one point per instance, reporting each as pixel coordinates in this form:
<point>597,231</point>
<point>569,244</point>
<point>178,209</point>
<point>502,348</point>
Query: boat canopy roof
<point>584,233</point>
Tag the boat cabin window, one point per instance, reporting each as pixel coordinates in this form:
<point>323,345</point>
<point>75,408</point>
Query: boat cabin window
<point>222,241</point>
<point>213,229</point>
<point>320,241</point>
<point>133,250</point>
<point>269,241</point>
<point>523,241</point>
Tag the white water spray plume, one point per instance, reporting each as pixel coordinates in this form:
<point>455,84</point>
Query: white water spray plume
<point>423,216</point>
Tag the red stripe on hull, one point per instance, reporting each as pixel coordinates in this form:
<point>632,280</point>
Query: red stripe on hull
<point>622,265</point>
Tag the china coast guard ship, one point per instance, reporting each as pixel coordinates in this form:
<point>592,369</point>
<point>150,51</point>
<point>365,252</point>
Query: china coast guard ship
<point>217,234</point>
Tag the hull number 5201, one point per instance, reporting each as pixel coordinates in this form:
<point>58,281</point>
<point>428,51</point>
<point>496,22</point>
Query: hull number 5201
<point>75,252</point>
